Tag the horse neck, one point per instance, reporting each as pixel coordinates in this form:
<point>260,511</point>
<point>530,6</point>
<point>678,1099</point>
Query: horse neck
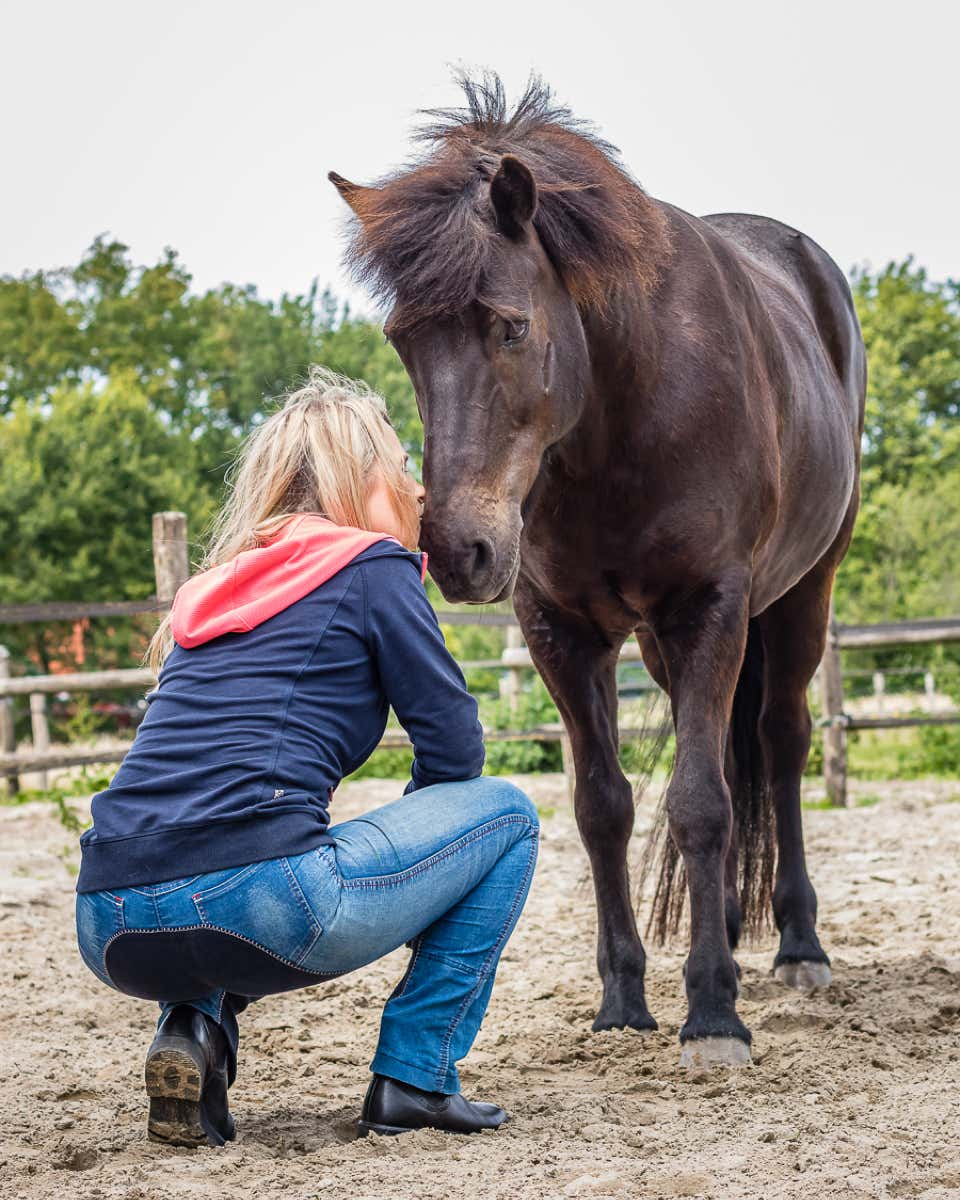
<point>623,344</point>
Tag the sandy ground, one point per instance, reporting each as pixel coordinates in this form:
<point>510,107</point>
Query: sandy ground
<point>854,1091</point>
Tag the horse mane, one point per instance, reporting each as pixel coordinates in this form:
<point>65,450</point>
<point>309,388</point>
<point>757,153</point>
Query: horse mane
<point>425,234</point>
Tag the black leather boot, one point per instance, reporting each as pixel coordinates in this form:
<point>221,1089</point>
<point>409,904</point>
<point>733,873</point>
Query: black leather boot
<point>186,1078</point>
<point>393,1107</point>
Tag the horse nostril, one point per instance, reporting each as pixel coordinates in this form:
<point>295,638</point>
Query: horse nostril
<point>482,558</point>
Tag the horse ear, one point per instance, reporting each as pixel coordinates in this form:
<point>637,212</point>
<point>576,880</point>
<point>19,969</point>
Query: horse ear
<point>513,194</point>
<point>353,193</point>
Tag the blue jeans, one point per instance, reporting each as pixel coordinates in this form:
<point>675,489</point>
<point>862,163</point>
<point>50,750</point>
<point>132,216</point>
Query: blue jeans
<point>446,868</point>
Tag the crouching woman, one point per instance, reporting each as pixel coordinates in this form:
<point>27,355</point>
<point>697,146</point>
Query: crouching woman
<point>212,876</point>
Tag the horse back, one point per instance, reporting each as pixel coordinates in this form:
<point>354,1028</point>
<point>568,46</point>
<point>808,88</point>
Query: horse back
<point>797,261</point>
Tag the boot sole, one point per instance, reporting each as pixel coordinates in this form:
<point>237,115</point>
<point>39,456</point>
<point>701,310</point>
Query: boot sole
<point>174,1081</point>
<point>367,1127</point>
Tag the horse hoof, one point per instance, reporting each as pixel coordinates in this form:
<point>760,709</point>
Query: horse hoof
<point>803,976</point>
<point>642,1023</point>
<point>715,1052</point>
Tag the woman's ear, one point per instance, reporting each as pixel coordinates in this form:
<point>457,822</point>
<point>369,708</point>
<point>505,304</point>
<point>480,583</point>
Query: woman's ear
<point>513,194</point>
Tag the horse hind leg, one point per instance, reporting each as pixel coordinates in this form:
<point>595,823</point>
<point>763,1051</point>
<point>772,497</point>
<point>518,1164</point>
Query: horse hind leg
<point>794,634</point>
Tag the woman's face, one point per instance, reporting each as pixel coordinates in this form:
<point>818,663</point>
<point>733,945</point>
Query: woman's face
<point>398,516</point>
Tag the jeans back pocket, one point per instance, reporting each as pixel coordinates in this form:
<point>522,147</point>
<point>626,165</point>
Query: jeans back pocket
<point>263,903</point>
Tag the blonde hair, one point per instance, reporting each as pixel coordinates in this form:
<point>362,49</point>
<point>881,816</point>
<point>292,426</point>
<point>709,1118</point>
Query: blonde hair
<point>316,454</point>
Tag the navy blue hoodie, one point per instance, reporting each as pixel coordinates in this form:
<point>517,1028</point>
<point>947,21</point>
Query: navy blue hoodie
<point>278,686</point>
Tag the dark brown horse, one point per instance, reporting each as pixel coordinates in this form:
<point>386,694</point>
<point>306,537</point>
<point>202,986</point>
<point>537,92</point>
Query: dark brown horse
<point>638,422</point>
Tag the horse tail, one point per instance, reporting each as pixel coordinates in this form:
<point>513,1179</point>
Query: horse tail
<point>753,817</point>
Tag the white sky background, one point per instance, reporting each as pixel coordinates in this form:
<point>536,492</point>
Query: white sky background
<point>210,126</point>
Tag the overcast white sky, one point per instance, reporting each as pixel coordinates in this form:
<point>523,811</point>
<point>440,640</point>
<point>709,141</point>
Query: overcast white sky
<point>210,126</point>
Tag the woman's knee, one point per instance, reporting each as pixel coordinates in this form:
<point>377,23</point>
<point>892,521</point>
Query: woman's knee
<point>504,799</point>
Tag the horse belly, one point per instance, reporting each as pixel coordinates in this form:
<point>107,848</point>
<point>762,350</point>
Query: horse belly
<point>818,477</point>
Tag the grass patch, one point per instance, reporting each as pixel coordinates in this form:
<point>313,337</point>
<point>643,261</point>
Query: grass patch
<point>823,805</point>
<point>927,752</point>
<point>58,796</point>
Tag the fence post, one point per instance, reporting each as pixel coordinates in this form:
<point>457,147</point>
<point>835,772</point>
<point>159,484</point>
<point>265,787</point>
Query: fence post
<point>834,731</point>
<point>41,731</point>
<point>8,736</point>
<point>171,561</point>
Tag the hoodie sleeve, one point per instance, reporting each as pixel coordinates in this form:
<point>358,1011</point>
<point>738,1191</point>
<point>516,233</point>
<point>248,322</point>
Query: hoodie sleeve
<point>422,682</point>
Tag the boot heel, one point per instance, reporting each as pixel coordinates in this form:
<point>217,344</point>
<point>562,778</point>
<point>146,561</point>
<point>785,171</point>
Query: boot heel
<point>367,1127</point>
<point>174,1081</point>
<point>175,1122</point>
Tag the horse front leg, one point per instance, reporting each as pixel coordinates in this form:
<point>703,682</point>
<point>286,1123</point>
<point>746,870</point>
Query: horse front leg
<point>702,645</point>
<point>579,669</point>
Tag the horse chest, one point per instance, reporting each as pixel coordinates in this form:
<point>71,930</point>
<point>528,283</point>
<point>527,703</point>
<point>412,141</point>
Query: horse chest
<point>586,574</point>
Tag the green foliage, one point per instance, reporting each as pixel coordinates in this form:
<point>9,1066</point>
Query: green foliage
<point>84,470</point>
<point>123,393</point>
<point>386,764</point>
<point>82,725</point>
<point>911,328</point>
<point>534,707</point>
<point>814,766</point>
<point>905,557</point>
<point>84,784</point>
<point>472,643</point>
<point>904,561</point>
<point>205,361</point>
<point>926,751</point>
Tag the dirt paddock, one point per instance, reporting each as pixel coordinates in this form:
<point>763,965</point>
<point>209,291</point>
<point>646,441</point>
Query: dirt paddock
<point>854,1091</point>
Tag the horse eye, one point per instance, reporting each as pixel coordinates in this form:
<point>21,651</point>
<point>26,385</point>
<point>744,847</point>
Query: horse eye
<point>515,332</point>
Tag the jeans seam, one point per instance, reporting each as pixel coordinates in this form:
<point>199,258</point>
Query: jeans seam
<point>443,1068</point>
<point>121,928</point>
<point>453,963</point>
<point>385,881</point>
<point>162,889</point>
<point>315,926</point>
<point>241,875</point>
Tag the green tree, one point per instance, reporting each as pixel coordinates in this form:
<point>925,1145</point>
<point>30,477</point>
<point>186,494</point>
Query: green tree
<point>911,328</point>
<point>904,561</point>
<point>83,472</point>
<point>210,363</point>
<point>123,392</point>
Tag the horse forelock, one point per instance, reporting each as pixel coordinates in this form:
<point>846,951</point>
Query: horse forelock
<point>426,237</point>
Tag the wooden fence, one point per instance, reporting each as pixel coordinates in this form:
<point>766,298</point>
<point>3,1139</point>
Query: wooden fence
<point>835,722</point>
<point>172,567</point>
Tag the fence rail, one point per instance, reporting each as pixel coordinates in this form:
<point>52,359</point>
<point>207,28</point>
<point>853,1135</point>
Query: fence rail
<point>898,633</point>
<point>171,568</point>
